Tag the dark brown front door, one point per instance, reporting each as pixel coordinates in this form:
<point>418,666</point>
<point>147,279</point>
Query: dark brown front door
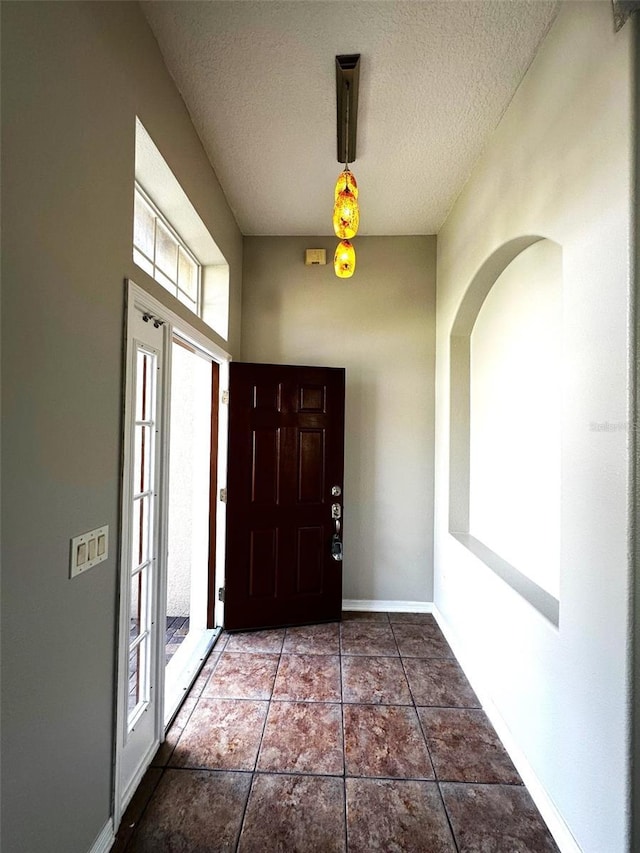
<point>286,453</point>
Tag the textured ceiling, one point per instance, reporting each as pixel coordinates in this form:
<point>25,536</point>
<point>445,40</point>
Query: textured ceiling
<point>258,79</point>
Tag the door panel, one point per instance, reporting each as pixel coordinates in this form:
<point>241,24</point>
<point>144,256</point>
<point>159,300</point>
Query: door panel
<point>264,472</point>
<point>286,449</point>
<point>311,465</point>
<point>138,735</point>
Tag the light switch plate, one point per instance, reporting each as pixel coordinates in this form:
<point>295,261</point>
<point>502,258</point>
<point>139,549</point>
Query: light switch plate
<point>88,550</point>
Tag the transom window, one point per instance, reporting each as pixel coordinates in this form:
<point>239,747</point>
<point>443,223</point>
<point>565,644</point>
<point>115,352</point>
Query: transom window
<point>160,252</point>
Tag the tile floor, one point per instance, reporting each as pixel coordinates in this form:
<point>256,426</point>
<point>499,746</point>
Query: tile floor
<point>359,737</point>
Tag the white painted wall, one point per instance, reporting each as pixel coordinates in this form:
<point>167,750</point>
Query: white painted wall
<point>558,166</point>
<point>380,325</point>
<point>516,374</point>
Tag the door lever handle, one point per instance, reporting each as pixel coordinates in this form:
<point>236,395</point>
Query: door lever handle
<point>336,543</point>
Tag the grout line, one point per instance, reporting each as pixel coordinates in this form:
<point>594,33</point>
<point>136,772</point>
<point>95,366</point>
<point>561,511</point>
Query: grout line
<point>415,711</point>
<point>264,726</point>
<point>214,770</point>
<point>244,813</point>
<point>395,640</point>
<point>446,814</point>
<point>299,773</point>
<point>259,750</point>
<point>310,775</point>
<point>426,743</point>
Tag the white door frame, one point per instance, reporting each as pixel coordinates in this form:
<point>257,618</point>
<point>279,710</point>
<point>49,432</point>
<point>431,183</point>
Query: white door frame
<point>138,299</point>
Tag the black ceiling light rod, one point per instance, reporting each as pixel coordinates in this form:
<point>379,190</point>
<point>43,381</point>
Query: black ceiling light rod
<point>347,79</point>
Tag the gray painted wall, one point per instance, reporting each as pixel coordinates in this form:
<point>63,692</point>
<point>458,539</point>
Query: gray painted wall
<point>74,76</point>
<point>380,325</point>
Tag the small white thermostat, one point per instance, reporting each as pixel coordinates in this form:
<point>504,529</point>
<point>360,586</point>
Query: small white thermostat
<point>315,257</point>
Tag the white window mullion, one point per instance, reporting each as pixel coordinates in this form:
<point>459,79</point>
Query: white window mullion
<point>170,281</point>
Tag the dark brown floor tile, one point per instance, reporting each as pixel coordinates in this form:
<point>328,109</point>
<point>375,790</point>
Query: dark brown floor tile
<point>256,641</point>
<point>222,734</point>
<point>496,819</point>
<point>465,748</point>
<point>308,678</point>
<point>364,616</point>
<point>163,755</point>
<point>193,810</point>
<point>375,680</point>
<point>385,740</point>
<point>405,817</point>
<point>439,682</point>
<point>135,808</point>
<point>421,641</point>
<point>426,619</point>
<point>302,737</point>
<point>296,814</point>
<point>367,638</point>
<point>242,675</point>
<point>313,640</point>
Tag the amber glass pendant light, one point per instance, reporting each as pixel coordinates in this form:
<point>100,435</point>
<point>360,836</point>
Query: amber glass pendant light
<point>346,215</point>
<point>346,181</point>
<point>344,260</point>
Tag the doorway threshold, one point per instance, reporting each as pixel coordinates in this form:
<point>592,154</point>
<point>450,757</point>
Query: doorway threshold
<point>184,667</point>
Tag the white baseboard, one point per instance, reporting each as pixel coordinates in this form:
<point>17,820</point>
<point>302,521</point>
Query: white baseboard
<point>378,606</point>
<point>563,836</point>
<point>105,839</point>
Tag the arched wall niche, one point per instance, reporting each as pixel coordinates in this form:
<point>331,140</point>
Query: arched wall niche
<point>504,442</point>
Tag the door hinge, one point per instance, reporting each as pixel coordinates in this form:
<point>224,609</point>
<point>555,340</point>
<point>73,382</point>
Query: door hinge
<point>225,397</point>
<point>221,594</point>
<point>223,495</point>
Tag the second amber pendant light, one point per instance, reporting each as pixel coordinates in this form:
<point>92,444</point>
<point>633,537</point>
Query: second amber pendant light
<point>346,212</point>
<point>346,218</point>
